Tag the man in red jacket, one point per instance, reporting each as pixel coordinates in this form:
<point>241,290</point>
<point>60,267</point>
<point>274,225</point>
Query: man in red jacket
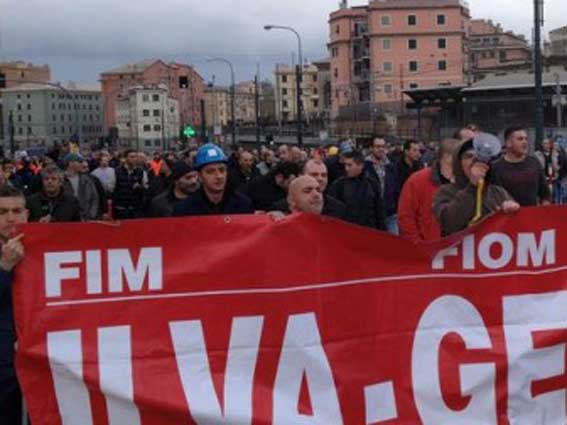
<point>415,209</point>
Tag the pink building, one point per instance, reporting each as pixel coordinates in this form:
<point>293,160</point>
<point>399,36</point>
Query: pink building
<point>492,49</point>
<point>183,82</point>
<point>380,50</point>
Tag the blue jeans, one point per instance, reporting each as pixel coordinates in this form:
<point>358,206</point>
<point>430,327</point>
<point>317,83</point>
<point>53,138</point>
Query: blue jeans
<point>392,225</point>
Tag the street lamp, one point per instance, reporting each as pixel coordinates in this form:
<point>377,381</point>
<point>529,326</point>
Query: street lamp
<point>538,69</point>
<point>299,77</point>
<point>232,93</point>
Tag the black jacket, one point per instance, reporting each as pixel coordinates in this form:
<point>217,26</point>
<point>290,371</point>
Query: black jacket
<point>63,208</point>
<point>198,204</point>
<point>362,199</point>
<point>237,179</point>
<point>264,192</point>
<point>331,208</point>
<point>8,381</point>
<point>163,204</point>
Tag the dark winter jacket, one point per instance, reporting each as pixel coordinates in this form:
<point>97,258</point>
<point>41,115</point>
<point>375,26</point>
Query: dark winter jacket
<point>163,204</point>
<point>88,196</point>
<point>129,202</point>
<point>7,336</point>
<point>199,204</point>
<point>454,204</point>
<point>362,199</point>
<point>62,208</point>
<point>264,192</point>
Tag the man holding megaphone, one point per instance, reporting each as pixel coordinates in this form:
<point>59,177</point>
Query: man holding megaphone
<point>471,196</point>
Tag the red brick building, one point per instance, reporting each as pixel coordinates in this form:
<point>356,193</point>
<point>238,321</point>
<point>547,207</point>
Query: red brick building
<point>183,81</point>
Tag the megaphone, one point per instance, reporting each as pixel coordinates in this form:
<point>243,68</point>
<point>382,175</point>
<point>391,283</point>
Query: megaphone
<point>487,147</point>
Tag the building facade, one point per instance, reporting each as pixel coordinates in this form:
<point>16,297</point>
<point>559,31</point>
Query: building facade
<point>148,118</point>
<point>41,114</point>
<point>182,81</point>
<point>380,50</point>
<point>286,93</point>
<point>492,49</point>
<point>18,72</point>
<point>558,42</point>
<point>217,107</point>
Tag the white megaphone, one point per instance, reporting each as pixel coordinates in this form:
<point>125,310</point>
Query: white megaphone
<point>487,147</point>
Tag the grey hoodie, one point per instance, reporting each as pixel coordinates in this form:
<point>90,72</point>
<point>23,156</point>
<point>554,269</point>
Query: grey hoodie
<point>454,205</point>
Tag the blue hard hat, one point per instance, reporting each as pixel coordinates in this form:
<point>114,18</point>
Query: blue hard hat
<point>209,154</point>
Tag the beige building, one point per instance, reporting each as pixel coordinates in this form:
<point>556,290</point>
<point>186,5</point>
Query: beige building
<point>382,49</point>
<point>15,73</point>
<point>558,42</point>
<point>218,105</point>
<point>286,93</point>
<point>492,49</point>
<point>148,118</point>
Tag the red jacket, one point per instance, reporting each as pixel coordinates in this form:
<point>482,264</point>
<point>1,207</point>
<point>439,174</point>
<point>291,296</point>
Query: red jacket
<point>415,209</point>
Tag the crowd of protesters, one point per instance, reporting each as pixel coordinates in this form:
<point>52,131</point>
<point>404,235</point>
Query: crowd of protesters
<point>421,192</point>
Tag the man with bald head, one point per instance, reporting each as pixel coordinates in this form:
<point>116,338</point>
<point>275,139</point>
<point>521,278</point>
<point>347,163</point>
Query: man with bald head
<point>305,196</point>
<point>317,170</point>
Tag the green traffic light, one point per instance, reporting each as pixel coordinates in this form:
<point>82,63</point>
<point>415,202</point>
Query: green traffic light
<point>189,131</point>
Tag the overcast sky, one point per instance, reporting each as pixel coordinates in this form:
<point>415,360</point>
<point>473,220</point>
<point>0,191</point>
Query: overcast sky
<point>81,38</point>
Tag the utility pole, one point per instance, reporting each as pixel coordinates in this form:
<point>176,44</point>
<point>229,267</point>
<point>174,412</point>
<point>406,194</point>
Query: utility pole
<point>559,101</point>
<point>257,108</point>
<point>538,68</point>
<point>203,122</point>
<point>11,133</point>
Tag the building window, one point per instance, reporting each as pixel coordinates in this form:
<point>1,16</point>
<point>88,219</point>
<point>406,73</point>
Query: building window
<point>157,127</point>
<point>412,44</point>
<point>441,43</point>
<point>284,104</point>
<point>387,44</point>
<point>29,130</point>
<point>145,98</point>
<point>20,130</point>
<point>442,65</point>
<point>147,128</point>
<point>148,143</point>
<point>441,20</point>
<point>386,20</point>
<point>155,97</point>
<point>315,78</point>
<point>388,67</point>
<point>284,78</point>
<point>157,142</point>
<point>388,89</point>
<point>29,118</point>
<point>335,52</point>
<point>284,92</point>
<point>502,55</point>
<point>413,86</point>
<point>412,20</point>
<point>29,106</point>
<point>336,73</point>
<point>337,29</point>
<point>54,130</point>
<point>156,113</point>
<point>19,106</point>
<point>413,66</point>
<point>19,118</point>
<point>146,113</point>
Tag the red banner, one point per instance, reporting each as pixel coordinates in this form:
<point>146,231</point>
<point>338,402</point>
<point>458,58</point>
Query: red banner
<point>244,320</point>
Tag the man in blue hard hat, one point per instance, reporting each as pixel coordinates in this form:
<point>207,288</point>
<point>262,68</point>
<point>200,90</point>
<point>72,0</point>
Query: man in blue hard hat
<point>213,197</point>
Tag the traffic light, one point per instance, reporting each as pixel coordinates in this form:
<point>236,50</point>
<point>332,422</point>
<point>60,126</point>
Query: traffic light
<point>189,131</point>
